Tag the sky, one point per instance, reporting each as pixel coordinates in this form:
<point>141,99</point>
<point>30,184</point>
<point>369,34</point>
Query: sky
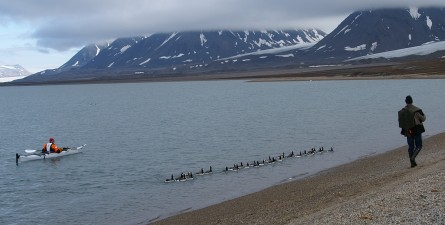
<point>44,34</point>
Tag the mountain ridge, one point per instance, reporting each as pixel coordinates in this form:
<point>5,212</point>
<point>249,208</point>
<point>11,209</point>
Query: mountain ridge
<point>362,33</point>
<point>374,31</point>
<point>174,52</point>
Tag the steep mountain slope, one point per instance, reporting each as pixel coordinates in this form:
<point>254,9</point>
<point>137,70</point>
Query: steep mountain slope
<point>375,31</point>
<point>363,33</point>
<point>165,52</point>
<point>84,56</point>
<point>76,62</point>
<point>188,48</point>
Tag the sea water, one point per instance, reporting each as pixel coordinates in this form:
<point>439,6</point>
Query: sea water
<point>137,135</point>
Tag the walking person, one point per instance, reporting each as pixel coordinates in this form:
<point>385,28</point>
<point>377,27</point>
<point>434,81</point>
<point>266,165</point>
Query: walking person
<point>410,120</point>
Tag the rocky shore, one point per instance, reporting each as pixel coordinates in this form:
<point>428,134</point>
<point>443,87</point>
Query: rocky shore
<point>380,189</point>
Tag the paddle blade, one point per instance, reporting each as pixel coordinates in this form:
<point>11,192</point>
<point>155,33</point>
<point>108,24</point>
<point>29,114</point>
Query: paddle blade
<point>80,147</point>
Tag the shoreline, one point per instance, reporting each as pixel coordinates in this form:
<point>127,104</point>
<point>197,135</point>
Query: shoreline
<point>377,189</point>
<point>247,78</point>
<point>343,77</point>
<point>429,69</point>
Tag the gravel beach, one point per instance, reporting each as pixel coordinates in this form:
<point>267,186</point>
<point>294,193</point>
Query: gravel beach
<point>379,189</point>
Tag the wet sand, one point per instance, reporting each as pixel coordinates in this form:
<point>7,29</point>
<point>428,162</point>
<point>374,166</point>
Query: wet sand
<point>380,189</point>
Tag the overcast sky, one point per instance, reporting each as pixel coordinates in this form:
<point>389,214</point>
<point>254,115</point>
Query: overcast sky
<point>44,34</point>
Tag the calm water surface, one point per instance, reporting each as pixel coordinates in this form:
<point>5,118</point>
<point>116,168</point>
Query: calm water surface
<point>137,135</point>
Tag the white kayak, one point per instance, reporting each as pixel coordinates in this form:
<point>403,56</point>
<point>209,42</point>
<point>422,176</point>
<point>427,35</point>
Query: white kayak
<point>35,154</point>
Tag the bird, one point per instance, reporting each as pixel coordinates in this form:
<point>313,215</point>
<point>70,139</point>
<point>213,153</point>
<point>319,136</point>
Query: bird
<point>291,154</point>
<point>170,180</point>
<point>201,172</point>
<point>209,171</point>
<point>188,176</point>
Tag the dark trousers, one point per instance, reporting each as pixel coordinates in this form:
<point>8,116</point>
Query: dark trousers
<point>414,143</point>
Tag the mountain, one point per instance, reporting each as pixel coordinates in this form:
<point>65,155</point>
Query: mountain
<point>79,60</point>
<point>113,52</point>
<point>194,48</point>
<point>361,35</point>
<point>13,71</point>
<point>366,33</point>
<point>375,31</point>
<point>168,52</point>
<point>82,57</point>
<point>430,48</point>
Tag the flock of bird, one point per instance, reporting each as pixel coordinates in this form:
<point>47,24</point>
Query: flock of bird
<point>253,164</point>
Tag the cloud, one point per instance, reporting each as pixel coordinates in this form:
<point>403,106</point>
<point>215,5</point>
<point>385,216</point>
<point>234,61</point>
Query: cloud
<point>62,25</point>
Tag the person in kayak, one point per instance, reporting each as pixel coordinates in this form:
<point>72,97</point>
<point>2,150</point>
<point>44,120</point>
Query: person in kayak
<point>51,147</point>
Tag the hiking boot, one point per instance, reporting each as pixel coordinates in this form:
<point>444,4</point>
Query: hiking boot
<point>415,153</point>
<point>413,163</point>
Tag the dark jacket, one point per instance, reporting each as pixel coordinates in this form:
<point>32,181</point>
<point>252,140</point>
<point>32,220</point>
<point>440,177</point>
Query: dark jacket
<point>411,120</point>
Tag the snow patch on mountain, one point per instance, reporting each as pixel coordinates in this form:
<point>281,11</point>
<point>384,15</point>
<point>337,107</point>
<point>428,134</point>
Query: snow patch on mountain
<point>299,39</point>
<point>317,36</point>
<point>9,79</point>
<point>168,39</point>
<point>12,72</point>
<point>125,48</point>
<point>357,48</point>
<point>274,51</point>
<point>203,39</point>
<point>425,49</point>
<point>97,50</point>
<point>344,28</point>
<point>7,67</point>
<point>146,61</point>
<point>429,23</point>
<point>286,56</point>
<point>414,12</point>
<point>262,42</point>
<point>321,47</point>
<point>374,46</point>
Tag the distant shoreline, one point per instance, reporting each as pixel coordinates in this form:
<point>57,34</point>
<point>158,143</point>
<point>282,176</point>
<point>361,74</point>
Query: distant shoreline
<point>324,78</point>
<point>375,71</point>
<point>262,78</point>
<point>342,195</point>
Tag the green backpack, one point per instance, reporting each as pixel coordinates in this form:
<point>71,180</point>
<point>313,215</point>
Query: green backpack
<point>406,119</point>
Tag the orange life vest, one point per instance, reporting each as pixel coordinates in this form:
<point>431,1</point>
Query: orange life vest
<point>52,148</point>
